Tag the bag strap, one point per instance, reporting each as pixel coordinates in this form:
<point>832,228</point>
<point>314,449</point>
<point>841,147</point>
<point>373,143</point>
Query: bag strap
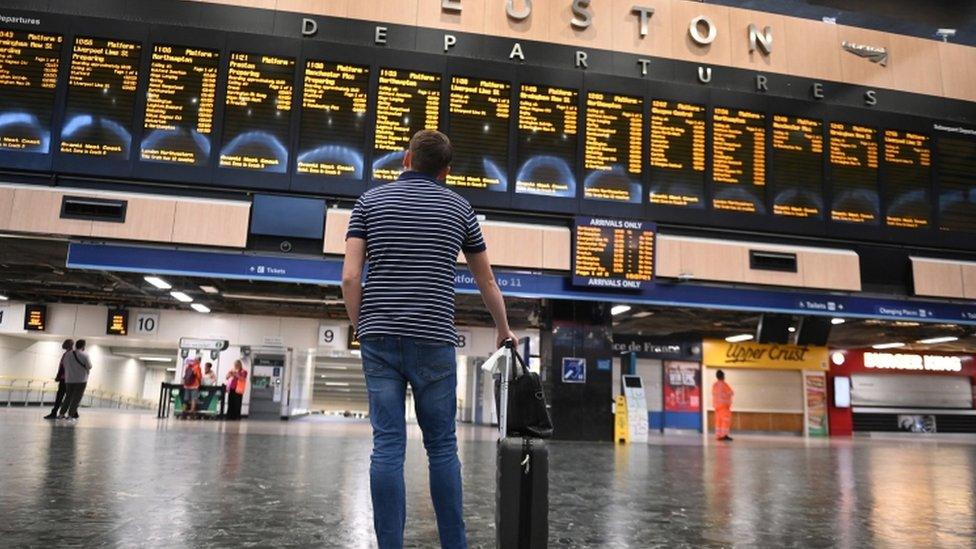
<point>520,366</point>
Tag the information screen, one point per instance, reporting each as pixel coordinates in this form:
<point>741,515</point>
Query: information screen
<point>256,112</point>
<point>908,164</point>
<point>117,322</point>
<point>180,99</point>
<point>333,128</point>
<point>35,318</point>
<point>612,151</point>
<point>406,102</point>
<point>738,160</point>
<point>613,253</point>
<point>796,178</point>
<point>677,154</point>
<point>957,184</point>
<point>548,124</point>
<point>28,77</point>
<point>480,113</point>
<point>854,173</point>
<point>101,98</point>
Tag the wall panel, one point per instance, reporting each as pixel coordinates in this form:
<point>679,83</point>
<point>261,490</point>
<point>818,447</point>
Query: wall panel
<point>534,27</point>
<point>145,219</point>
<point>969,280</point>
<point>471,18</point>
<point>6,207</point>
<point>812,49</point>
<point>958,71</point>
<point>39,211</point>
<point>913,65</point>
<point>937,278</point>
<point>211,223</point>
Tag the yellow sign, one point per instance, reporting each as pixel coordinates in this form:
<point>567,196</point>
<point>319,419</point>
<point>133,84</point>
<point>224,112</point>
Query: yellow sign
<point>767,356</point>
<point>621,432</point>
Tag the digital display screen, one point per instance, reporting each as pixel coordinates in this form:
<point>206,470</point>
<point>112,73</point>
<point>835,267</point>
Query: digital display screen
<point>612,159</point>
<point>257,112</point>
<point>480,113</point>
<point>35,318</point>
<point>957,184</point>
<point>180,100</point>
<point>796,177</point>
<point>613,253</point>
<point>908,164</point>
<point>738,160</point>
<point>101,97</point>
<point>333,128</point>
<point>29,63</point>
<point>854,173</point>
<point>548,122</point>
<point>406,102</point>
<point>117,322</point>
<point>677,154</point>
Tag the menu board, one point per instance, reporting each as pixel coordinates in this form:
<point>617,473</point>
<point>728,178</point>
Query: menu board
<point>796,176</point>
<point>257,112</point>
<point>180,99</point>
<point>117,322</point>
<point>738,160</point>
<point>612,149</point>
<point>677,154</point>
<point>908,165</point>
<point>406,102</point>
<point>480,111</point>
<point>854,173</point>
<point>613,253</point>
<point>957,181</point>
<point>333,129</point>
<point>547,137</point>
<point>101,97</point>
<point>29,63</point>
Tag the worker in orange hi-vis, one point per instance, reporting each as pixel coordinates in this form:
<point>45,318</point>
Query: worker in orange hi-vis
<point>722,400</point>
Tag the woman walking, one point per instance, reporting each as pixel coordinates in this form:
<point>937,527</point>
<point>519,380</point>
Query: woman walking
<point>62,389</point>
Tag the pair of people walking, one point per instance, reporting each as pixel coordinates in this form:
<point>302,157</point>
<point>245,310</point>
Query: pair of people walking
<point>72,380</point>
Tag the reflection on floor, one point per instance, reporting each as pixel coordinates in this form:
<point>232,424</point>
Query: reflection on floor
<point>124,479</point>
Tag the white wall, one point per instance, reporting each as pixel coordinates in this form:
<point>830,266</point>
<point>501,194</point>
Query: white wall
<point>779,391</point>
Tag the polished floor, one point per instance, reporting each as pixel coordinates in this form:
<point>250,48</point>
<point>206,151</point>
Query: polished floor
<point>116,479</point>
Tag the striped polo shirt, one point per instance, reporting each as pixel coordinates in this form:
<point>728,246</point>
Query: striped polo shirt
<point>414,229</point>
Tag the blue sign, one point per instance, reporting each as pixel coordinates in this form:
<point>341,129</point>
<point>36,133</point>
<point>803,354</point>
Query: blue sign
<point>574,370</point>
<point>603,364</point>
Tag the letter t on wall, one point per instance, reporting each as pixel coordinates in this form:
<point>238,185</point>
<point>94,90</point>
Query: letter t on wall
<point>643,15</point>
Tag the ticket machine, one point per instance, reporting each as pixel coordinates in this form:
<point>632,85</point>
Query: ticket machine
<point>270,381</point>
<point>636,408</point>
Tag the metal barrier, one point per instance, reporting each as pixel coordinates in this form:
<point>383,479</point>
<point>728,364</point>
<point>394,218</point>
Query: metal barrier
<point>32,392</point>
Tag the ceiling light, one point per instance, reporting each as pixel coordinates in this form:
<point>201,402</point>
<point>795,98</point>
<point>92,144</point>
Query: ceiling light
<point>210,289</point>
<point>155,359</point>
<point>791,329</point>
<point>934,340</point>
<point>283,299</point>
<point>200,308</point>
<point>336,384</point>
<point>157,282</point>
<point>181,297</point>
<point>619,309</point>
<point>738,338</point>
<point>3,297</point>
<point>836,321</point>
<point>171,370</point>
<point>642,314</point>
<point>887,345</point>
<point>838,358</point>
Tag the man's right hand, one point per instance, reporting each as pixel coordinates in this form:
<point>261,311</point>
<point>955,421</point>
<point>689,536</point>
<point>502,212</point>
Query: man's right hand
<point>506,334</point>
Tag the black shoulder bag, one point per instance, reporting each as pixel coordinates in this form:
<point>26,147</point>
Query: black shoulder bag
<point>528,413</point>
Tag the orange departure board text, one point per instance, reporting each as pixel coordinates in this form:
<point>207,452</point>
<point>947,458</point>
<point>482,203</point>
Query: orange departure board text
<point>406,102</point>
<point>613,253</point>
<point>333,130</point>
<point>677,154</point>
<point>29,63</point>
<point>854,173</point>
<point>612,149</point>
<point>480,111</point>
<point>548,122</point>
<point>907,178</point>
<point>738,160</point>
<point>796,177</point>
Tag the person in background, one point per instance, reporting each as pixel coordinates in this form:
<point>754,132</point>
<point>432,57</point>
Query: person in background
<point>209,376</point>
<point>722,401</point>
<point>191,386</point>
<point>67,346</point>
<point>77,366</point>
<point>235,389</point>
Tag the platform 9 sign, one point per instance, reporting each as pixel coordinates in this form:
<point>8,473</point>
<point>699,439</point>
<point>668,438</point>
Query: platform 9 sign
<point>146,324</point>
<point>332,336</point>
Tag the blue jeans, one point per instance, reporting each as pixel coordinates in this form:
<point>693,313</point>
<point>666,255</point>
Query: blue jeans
<point>389,363</point>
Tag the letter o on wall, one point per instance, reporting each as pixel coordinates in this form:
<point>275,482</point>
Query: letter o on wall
<point>695,32</point>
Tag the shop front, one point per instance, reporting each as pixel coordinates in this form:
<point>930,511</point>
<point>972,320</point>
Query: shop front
<point>880,391</point>
<point>778,388</point>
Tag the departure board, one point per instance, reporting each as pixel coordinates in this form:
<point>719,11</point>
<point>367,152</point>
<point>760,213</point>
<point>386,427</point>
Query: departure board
<point>612,150</point>
<point>613,253</point>
<point>796,176</point>
<point>28,77</point>
<point>480,113</point>
<point>257,112</point>
<point>406,102</point>
<point>101,97</point>
<point>333,129</point>
<point>677,154</point>
<point>854,173</point>
<point>957,184</point>
<point>908,165</point>
<point>547,136</point>
<point>180,100</point>
<point>738,160</point>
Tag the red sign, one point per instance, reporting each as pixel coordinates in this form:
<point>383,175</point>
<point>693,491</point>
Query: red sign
<point>682,386</point>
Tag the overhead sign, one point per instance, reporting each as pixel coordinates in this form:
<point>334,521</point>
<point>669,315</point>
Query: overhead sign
<point>203,344</point>
<point>117,322</point>
<point>766,356</point>
<point>35,318</point>
<point>331,337</point>
<point>147,324</point>
<point>909,361</point>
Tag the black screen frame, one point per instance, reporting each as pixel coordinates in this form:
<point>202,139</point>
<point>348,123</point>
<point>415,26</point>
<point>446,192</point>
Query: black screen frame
<point>907,123</point>
<point>838,229</point>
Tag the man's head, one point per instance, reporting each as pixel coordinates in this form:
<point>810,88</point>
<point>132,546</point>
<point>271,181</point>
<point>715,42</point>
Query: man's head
<point>720,375</point>
<point>430,153</point>
<point>68,344</point>
<point>80,345</point>
<point>208,366</point>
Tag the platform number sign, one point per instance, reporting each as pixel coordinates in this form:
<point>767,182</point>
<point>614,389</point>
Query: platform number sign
<point>464,340</point>
<point>331,336</point>
<point>147,324</point>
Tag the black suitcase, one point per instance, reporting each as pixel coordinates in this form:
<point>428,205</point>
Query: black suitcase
<point>522,482</point>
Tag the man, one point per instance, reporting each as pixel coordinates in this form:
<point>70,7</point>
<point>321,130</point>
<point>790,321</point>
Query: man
<point>722,401</point>
<point>191,386</point>
<point>209,376</point>
<point>77,365</point>
<point>411,230</point>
